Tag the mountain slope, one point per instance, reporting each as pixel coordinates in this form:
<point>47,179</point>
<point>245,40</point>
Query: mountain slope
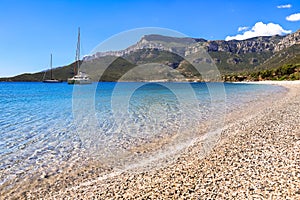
<point>290,55</point>
<point>61,73</point>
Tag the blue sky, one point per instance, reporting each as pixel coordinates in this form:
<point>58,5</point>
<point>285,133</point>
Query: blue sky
<point>31,30</point>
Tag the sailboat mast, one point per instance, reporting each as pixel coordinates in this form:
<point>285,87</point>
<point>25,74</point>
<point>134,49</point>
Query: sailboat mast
<point>51,66</point>
<point>77,58</point>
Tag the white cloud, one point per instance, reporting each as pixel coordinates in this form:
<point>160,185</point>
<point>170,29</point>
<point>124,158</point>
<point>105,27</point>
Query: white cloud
<point>285,6</point>
<point>243,28</point>
<point>260,29</point>
<point>294,17</point>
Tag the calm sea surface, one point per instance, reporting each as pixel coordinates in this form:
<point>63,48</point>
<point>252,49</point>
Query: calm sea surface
<point>45,124</point>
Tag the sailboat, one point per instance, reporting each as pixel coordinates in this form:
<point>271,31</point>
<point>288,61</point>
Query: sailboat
<point>51,80</point>
<point>80,77</point>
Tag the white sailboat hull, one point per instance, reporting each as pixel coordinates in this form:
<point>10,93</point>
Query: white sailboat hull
<point>81,78</point>
<point>78,81</point>
<point>52,81</point>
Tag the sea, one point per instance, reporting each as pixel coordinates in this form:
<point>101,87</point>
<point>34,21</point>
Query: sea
<point>44,125</point>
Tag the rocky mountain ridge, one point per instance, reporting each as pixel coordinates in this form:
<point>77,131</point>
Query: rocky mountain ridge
<point>271,44</point>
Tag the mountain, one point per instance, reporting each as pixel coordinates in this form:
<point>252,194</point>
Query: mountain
<point>181,55</point>
<point>229,56</point>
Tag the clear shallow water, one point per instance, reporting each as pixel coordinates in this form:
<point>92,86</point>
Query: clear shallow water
<point>42,125</point>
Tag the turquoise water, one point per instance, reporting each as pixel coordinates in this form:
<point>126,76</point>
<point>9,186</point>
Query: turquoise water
<point>46,124</point>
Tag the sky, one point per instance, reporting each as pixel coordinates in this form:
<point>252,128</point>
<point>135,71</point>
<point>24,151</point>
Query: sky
<point>31,30</point>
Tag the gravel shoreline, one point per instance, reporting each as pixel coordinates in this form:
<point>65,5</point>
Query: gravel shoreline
<point>257,158</point>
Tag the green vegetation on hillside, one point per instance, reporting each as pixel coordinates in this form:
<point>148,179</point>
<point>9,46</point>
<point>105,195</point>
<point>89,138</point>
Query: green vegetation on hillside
<point>284,72</point>
<point>228,62</point>
<point>174,61</point>
<point>289,55</point>
<point>116,70</point>
<point>284,65</point>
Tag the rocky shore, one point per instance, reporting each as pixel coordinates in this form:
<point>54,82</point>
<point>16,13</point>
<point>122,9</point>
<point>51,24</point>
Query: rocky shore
<point>258,157</point>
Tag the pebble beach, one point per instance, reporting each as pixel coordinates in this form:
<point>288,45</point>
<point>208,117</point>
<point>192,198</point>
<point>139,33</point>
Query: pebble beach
<point>257,157</point>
